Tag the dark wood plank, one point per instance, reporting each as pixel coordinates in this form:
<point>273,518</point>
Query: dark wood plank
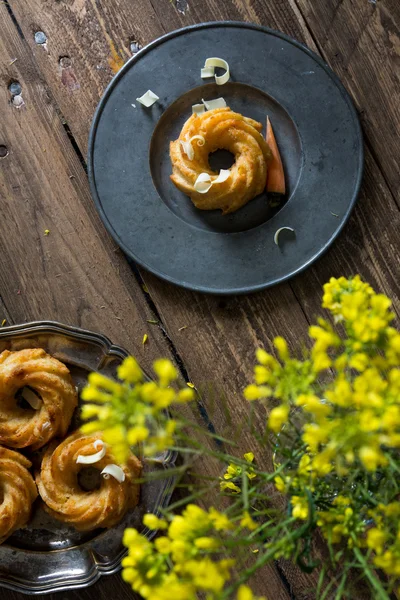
<point>361,42</point>
<point>75,273</point>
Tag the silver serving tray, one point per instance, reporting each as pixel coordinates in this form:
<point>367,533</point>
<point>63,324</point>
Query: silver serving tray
<point>48,556</point>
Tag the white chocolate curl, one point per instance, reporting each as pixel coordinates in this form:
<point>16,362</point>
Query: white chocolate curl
<point>32,399</point>
<point>204,181</point>
<point>278,231</point>
<point>93,458</point>
<point>213,62</point>
<point>187,145</point>
<point>113,471</point>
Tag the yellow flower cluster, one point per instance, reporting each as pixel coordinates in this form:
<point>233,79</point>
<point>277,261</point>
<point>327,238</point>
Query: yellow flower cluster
<point>232,477</point>
<point>384,537</point>
<point>182,563</point>
<point>341,521</point>
<point>132,411</point>
<point>344,429</point>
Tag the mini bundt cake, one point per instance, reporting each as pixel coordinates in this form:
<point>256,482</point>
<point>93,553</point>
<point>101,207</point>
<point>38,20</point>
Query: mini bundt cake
<point>221,128</point>
<point>36,375</point>
<point>17,492</point>
<point>64,498</point>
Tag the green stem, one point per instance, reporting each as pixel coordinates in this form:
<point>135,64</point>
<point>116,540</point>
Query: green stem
<point>374,581</point>
<point>245,491</point>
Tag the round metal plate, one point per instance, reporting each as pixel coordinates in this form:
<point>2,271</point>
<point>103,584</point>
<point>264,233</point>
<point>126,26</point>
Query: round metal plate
<point>318,133</point>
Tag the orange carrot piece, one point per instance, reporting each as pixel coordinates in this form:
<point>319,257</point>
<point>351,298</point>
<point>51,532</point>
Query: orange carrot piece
<point>276,175</point>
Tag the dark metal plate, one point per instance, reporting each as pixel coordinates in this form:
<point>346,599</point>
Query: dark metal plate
<point>317,130</point>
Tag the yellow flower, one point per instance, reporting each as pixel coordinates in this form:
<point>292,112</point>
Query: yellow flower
<point>321,463</point>
<point>249,457</point>
<point>280,484</point>
<point>220,520</point>
<point>206,543</point>
<point>245,593</point>
<point>185,395</point>
<point>282,348</point>
<point>278,417</point>
<point>205,574</point>
<point>300,507</point>
<point>388,562</point>
<point>371,458</point>
<point>321,361</point>
<point>314,435</point>
<point>88,411</point>
<point>341,394</point>
<point>304,467</point>
<point>380,303</point>
<point>313,405</point>
<point>137,434</point>
<point>261,374</point>
<point>228,485</point>
<point>165,371</point>
<point>180,551</point>
<point>265,359</point>
<point>359,361</point>
<point>163,545</point>
<point>340,362</point>
<point>248,522</point>
<point>232,471</point>
<point>324,337</point>
<point>255,392</point>
<point>131,536</point>
<point>392,509</point>
<point>130,371</point>
<point>376,539</point>
<point>114,435</point>
<point>153,522</point>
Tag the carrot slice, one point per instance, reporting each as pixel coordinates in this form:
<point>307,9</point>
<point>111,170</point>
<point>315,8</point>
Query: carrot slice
<point>276,175</point>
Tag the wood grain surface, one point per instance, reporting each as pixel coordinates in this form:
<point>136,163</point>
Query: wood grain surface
<point>76,270</point>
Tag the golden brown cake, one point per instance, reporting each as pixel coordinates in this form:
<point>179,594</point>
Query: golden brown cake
<point>46,379</point>
<point>221,128</point>
<point>58,483</point>
<point>17,492</point>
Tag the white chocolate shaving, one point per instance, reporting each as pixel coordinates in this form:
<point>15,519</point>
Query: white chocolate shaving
<point>200,139</point>
<point>223,176</point>
<point>31,398</point>
<point>217,62</point>
<point>217,103</point>
<point>113,471</point>
<point>204,181</point>
<point>187,149</point>
<point>207,72</point>
<point>198,109</point>
<point>93,458</point>
<point>148,99</point>
<point>278,231</point>
<point>187,145</point>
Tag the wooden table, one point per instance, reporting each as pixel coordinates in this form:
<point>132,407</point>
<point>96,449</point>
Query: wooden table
<point>77,275</point>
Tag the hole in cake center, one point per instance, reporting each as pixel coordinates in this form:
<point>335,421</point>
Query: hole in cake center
<point>89,479</point>
<point>27,398</point>
<point>221,159</point>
